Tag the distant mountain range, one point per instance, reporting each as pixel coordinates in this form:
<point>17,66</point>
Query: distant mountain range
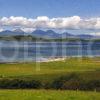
<point>49,34</point>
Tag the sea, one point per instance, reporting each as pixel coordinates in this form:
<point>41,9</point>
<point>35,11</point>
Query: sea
<point>26,51</point>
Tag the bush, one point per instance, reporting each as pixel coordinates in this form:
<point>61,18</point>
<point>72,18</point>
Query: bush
<point>93,85</point>
<point>18,84</point>
<point>71,85</point>
<point>67,82</point>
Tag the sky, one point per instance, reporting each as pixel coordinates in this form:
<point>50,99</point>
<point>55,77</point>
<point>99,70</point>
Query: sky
<point>77,16</point>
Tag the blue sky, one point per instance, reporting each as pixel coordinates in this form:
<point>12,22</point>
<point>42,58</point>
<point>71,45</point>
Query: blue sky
<point>51,8</point>
<point>85,9</point>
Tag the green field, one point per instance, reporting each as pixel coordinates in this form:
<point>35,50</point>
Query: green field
<point>87,69</point>
<point>50,70</point>
<point>69,65</point>
<point>47,95</point>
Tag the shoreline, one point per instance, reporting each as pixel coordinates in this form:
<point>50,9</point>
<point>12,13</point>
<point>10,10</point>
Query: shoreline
<point>49,59</point>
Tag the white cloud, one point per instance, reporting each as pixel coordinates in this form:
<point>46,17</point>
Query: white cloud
<point>74,22</point>
<point>42,18</point>
<point>28,30</point>
<point>1,29</point>
<point>95,33</point>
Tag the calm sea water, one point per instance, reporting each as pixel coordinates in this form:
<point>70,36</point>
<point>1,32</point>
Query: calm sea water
<point>12,51</point>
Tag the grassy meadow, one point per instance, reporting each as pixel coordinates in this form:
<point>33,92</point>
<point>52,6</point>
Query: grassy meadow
<point>87,69</point>
<point>47,95</point>
<point>50,68</point>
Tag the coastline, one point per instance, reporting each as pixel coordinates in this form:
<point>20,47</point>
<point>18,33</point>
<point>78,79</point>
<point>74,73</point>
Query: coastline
<point>49,59</point>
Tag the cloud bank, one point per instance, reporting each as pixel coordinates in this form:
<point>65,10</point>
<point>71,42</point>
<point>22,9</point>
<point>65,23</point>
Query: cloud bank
<point>74,22</point>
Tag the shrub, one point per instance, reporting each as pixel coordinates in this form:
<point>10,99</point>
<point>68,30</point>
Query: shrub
<point>18,83</point>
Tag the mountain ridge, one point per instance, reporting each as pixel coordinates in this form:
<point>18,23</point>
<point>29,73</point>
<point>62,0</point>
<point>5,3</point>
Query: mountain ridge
<point>49,34</point>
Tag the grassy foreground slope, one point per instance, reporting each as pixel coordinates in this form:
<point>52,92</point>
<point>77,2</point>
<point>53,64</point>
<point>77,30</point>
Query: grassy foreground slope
<point>47,95</point>
<point>31,69</point>
<point>71,74</point>
<point>87,69</point>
